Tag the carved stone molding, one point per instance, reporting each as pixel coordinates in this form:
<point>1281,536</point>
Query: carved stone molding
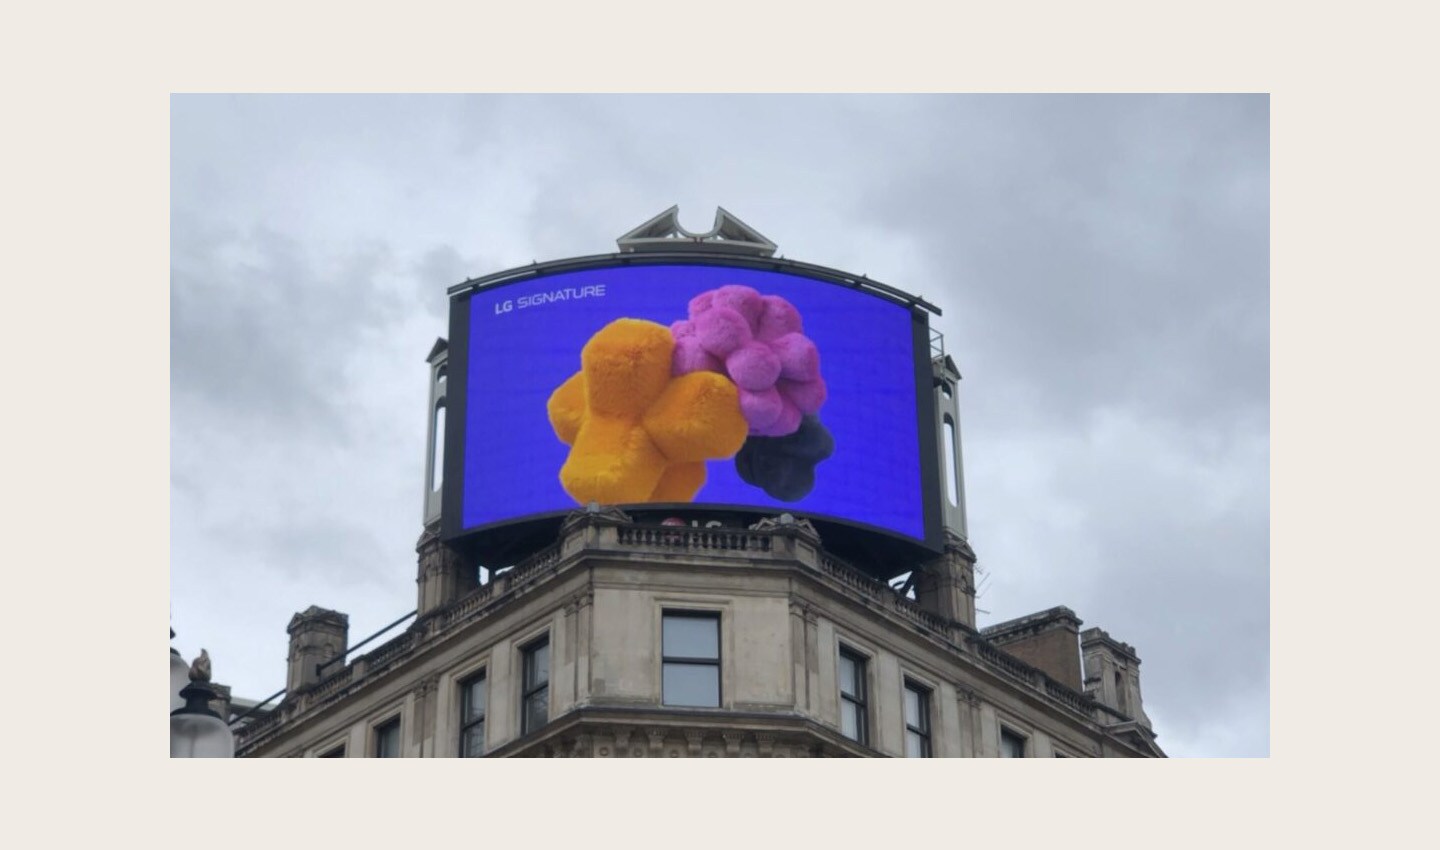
<point>578,600</point>
<point>694,741</point>
<point>788,523</point>
<point>594,514</point>
<point>732,742</point>
<point>581,748</point>
<point>426,686</point>
<point>766,743</point>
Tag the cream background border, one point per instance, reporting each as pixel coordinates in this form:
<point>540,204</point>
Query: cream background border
<point>86,344</point>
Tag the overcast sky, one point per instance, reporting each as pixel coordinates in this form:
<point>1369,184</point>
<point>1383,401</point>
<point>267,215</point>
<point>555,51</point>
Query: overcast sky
<point>1102,264</point>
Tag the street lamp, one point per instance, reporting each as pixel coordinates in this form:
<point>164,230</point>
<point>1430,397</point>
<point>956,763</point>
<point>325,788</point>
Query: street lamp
<point>179,676</point>
<point>195,730</point>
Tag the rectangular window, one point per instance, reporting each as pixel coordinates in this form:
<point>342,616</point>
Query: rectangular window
<point>690,659</point>
<point>334,753</point>
<point>1012,744</point>
<point>387,739</point>
<point>535,689</point>
<point>472,716</point>
<point>917,721</point>
<point>853,712</point>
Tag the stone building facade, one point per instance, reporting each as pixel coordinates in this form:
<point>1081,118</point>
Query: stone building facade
<point>634,636</point>
<point>812,657</point>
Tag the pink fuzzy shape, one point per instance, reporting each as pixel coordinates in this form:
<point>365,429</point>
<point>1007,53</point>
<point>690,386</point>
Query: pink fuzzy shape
<point>778,319</point>
<point>762,410</point>
<point>721,330</point>
<point>759,343</point>
<point>806,396</point>
<point>753,367</point>
<point>799,360</point>
<point>741,299</point>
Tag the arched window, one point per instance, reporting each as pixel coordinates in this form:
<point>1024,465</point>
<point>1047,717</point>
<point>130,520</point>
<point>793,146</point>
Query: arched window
<point>437,456</point>
<point>952,482</point>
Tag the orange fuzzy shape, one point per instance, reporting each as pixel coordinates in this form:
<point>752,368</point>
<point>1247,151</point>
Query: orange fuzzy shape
<point>567,408</point>
<point>637,434</point>
<point>613,462</point>
<point>626,366</point>
<point>680,483</point>
<point>698,417</point>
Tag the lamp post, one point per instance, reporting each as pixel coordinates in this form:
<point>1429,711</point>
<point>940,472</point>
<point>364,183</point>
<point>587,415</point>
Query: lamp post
<point>195,730</point>
<point>179,676</point>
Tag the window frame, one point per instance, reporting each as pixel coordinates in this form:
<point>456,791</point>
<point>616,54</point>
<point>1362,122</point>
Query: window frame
<point>861,700</point>
<point>335,752</point>
<point>528,688</point>
<point>693,661</point>
<point>923,694</point>
<point>379,730</point>
<point>1017,735</point>
<point>464,685</point>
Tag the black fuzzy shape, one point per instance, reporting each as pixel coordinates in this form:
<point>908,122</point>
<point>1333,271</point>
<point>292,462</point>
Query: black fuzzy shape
<point>784,467</point>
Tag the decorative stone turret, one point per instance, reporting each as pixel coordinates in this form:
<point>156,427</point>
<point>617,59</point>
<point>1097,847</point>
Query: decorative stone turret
<point>443,575</point>
<point>1112,674</point>
<point>1048,640</point>
<point>316,636</point>
<point>945,383</point>
<point>438,359</point>
<point>946,585</point>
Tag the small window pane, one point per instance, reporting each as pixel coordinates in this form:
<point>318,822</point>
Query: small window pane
<point>537,710</point>
<point>474,700</point>
<point>691,637</point>
<point>1011,745</point>
<point>914,746</point>
<point>849,676</point>
<point>537,665</point>
<point>850,720</point>
<point>387,740</point>
<point>472,742</point>
<point>912,708</point>
<point>692,684</point>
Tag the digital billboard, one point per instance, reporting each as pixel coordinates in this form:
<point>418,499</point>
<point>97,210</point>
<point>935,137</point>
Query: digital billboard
<point>686,385</point>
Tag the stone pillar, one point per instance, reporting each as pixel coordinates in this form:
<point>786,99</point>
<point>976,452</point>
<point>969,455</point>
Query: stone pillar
<point>317,635</point>
<point>443,576</point>
<point>946,585</point>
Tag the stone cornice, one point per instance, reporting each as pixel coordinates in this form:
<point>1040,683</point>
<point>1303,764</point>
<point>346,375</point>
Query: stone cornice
<point>1093,637</point>
<point>651,731</point>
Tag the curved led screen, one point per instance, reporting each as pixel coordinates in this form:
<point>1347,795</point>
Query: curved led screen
<point>681,384</point>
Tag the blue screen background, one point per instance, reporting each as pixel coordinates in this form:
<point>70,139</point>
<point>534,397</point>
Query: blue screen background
<point>518,357</point>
